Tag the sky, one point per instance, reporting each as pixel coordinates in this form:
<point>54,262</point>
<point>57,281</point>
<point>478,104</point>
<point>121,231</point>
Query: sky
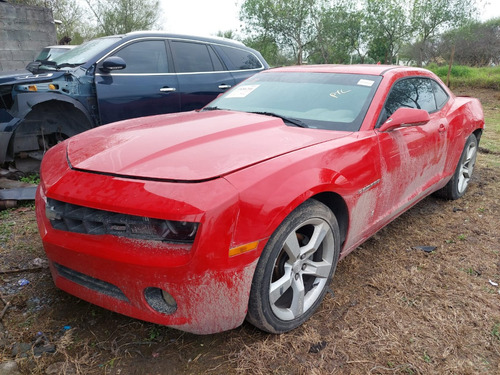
<point>207,17</point>
<point>200,17</point>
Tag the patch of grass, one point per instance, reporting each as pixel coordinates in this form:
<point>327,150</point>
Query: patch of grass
<point>31,179</point>
<point>465,76</point>
<point>427,358</point>
<point>490,141</point>
<point>471,271</point>
<point>6,225</point>
<point>496,331</point>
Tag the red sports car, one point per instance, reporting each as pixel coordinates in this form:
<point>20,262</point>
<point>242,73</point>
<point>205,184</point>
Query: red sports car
<point>242,210</point>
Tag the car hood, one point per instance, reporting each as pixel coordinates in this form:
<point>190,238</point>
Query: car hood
<point>15,77</point>
<point>193,146</point>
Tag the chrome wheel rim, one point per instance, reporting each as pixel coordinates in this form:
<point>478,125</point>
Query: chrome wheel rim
<point>301,269</point>
<point>466,168</point>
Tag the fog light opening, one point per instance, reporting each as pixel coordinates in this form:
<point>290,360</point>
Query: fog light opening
<point>160,300</point>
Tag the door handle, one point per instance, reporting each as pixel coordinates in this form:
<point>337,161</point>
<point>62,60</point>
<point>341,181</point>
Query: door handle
<point>224,86</point>
<point>167,89</point>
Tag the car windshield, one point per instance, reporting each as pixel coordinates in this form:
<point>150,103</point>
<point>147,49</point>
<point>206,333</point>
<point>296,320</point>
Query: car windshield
<point>81,54</point>
<point>50,53</point>
<point>314,100</point>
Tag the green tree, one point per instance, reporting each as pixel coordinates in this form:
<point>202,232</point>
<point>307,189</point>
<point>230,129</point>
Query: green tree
<point>340,33</point>
<point>269,49</point>
<point>387,23</point>
<point>228,34</point>
<point>476,44</point>
<point>288,23</point>
<point>123,16</point>
<point>431,17</point>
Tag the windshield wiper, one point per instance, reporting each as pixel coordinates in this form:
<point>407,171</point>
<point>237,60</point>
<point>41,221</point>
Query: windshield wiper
<point>212,108</point>
<point>34,66</point>
<point>290,120</point>
<point>64,65</point>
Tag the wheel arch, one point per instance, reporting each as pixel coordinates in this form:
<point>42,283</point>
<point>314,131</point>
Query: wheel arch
<point>47,118</point>
<point>478,133</point>
<point>338,206</point>
<point>26,103</point>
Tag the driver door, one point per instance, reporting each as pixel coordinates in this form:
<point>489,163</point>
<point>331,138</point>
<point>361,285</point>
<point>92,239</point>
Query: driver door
<point>145,87</point>
<point>412,158</point>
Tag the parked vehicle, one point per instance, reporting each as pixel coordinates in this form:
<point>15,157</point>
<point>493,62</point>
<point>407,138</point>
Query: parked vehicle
<point>242,210</point>
<point>51,52</point>
<point>111,79</point>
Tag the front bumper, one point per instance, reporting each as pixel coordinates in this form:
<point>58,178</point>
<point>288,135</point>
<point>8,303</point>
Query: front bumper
<point>210,288</point>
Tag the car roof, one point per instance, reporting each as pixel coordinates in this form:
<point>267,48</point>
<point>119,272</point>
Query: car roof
<point>375,69</point>
<point>213,39</point>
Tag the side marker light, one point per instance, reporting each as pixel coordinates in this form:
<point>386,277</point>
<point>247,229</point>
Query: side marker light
<point>243,248</point>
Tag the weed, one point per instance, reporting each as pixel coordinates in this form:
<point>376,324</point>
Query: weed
<point>496,331</point>
<point>427,357</point>
<point>6,225</point>
<point>31,179</point>
<point>462,237</point>
<point>471,271</point>
<point>154,333</point>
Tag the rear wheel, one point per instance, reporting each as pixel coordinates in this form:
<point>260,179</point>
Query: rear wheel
<point>295,269</point>
<point>456,187</point>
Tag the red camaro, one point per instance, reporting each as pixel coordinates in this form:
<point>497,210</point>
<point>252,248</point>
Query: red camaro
<point>243,209</point>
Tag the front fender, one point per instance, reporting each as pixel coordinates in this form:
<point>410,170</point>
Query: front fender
<point>269,191</point>
<point>26,101</point>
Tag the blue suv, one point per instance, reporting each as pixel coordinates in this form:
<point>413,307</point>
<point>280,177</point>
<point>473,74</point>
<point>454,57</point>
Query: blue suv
<point>111,79</point>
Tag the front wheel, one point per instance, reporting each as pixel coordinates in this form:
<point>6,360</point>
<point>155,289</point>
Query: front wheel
<point>295,269</point>
<point>456,187</point>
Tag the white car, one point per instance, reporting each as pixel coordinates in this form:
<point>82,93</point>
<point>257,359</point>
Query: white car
<point>48,53</point>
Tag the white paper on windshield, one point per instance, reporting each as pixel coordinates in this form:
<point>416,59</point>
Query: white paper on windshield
<point>242,91</point>
<point>366,82</point>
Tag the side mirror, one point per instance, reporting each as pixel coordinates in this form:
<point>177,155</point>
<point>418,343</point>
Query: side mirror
<point>112,63</point>
<point>405,117</point>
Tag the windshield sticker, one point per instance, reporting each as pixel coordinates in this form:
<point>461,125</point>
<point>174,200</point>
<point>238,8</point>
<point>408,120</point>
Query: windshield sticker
<point>337,93</point>
<point>242,91</point>
<point>366,82</point>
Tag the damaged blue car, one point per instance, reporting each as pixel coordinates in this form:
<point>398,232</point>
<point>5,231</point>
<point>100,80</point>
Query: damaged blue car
<point>111,79</point>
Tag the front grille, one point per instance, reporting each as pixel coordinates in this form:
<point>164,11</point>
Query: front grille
<point>78,219</point>
<point>90,282</point>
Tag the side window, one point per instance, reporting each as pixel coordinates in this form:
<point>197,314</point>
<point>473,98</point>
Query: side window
<point>144,57</point>
<point>411,93</point>
<point>215,60</point>
<point>241,59</point>
<point>192,57</point>
<point>440,94</point>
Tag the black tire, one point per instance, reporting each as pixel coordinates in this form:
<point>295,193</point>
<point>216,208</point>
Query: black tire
<point>457,186</point>
<point>295,267</point>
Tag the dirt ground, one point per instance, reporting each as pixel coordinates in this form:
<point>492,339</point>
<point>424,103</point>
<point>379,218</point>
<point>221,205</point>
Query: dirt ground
<point>395,309</point>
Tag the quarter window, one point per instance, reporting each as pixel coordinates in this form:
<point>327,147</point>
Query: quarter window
<point>441,95</point>
<point>241,59</point>
<point>144,57</point>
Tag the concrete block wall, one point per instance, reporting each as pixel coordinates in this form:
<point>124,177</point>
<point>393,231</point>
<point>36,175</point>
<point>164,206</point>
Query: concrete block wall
<point>24,31</point>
